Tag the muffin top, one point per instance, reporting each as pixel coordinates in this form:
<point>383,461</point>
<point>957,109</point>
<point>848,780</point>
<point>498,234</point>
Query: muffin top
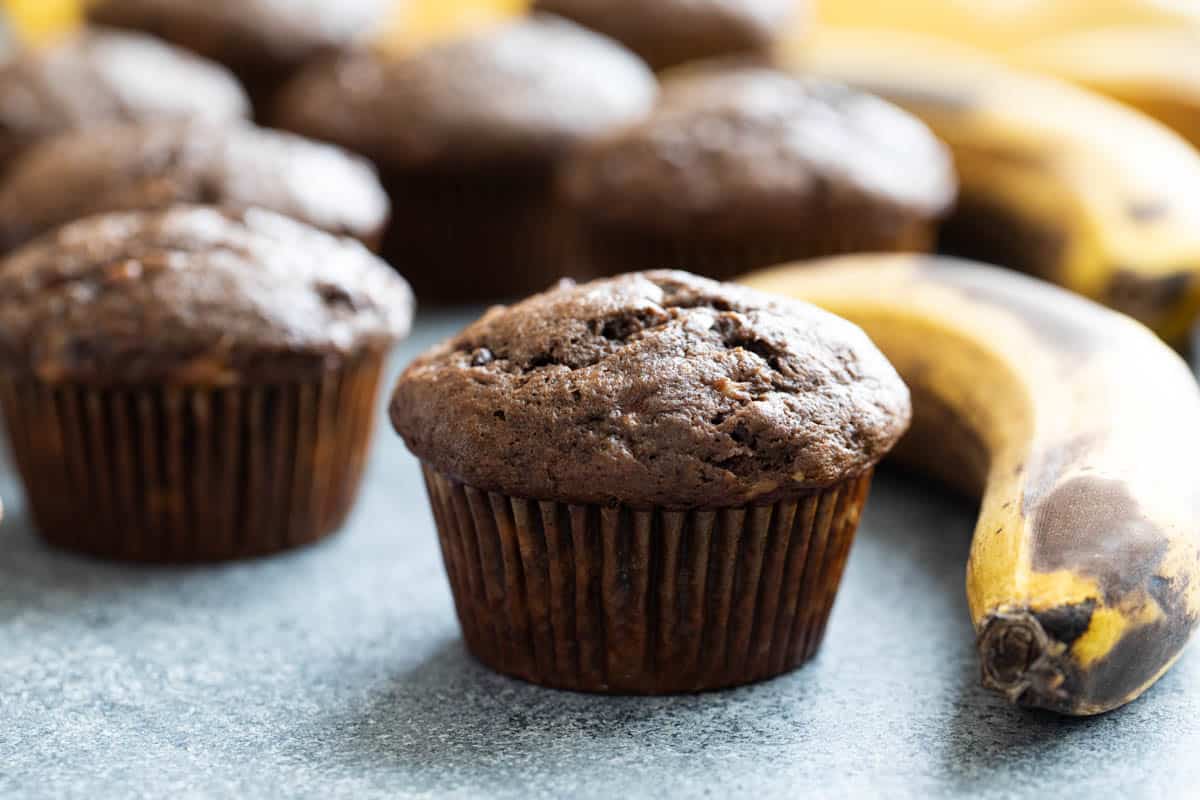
<point>670,32</point>
<point>653,389</point>
<point>98,76</point>
<point>519,91</point>
<point>147,165</point>
<point>193,295</point>
<point>731,150</point>
<point>235,31</point>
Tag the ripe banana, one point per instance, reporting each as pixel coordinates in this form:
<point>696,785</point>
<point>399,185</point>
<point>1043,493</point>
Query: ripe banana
<point>1154,69</point>
<point>1004,24</point>
<point>1079,429</point>
<point>418,23</point>
<point>1055,180</point>
<point>38,21</point>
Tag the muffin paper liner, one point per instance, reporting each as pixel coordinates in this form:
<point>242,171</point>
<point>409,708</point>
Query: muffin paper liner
<point>612,599</point>
<point>476,238</point>
<point>181,474</point>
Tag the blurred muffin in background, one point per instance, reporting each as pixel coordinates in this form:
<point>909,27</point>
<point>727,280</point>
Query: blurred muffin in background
<point>149,165</point>
<point>265,42</point>
<point>669,32</point>
<point>97,76</point>
<point>468,135</point>
<point>744,167</point>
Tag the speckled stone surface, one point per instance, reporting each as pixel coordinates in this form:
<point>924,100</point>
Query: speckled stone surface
<point>336,672</point>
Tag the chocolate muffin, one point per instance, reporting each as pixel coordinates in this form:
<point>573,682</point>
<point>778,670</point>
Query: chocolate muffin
<point>468,135</point>
<point>193,384</point>
<point>649,484</point>
<point>741,168</point>
<point>149,165</point>
<point>265,42</point>
<point>97,76</point>
<point>669,32</point>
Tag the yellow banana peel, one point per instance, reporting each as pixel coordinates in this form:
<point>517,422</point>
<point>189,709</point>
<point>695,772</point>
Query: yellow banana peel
<point>39,21</point>
<point>419,23</point>
<point>1075,426</point>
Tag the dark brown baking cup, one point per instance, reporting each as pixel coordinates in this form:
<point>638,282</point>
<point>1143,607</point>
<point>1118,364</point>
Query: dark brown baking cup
<point>612,599</point>
<point>608,252</point>
<point>186,474</point>
<point>476,237</point>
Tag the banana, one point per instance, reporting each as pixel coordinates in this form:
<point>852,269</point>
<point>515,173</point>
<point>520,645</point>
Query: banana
<point>1154,69</point>
<point>1004,24</point>
<point>1078,429</point>
<point>419,23</point>
<point>1056,181</point>
<point>39,21</point>
<point>1145,53</point>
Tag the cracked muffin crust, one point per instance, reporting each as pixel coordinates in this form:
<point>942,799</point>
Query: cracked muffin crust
<point>98,76</point>
<point>655,389</point>
<point>193,295</point>
<point>151,165</point>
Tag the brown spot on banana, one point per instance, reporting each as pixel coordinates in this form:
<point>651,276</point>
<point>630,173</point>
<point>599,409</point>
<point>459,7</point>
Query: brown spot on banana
<point>1065,624</point>
<point>1068,515</point>
<point>1077,428</point>
<point>1149,298</point>
<point>1148,210</point>
<point>1055,180</point>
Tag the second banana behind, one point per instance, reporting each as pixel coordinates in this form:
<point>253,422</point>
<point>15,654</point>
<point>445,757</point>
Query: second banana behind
<point>1055,181</point>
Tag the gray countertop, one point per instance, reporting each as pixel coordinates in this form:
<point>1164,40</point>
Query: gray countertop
<point>337,671</point>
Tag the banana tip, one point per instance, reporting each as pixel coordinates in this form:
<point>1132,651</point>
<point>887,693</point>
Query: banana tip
<point>1017,661</point>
